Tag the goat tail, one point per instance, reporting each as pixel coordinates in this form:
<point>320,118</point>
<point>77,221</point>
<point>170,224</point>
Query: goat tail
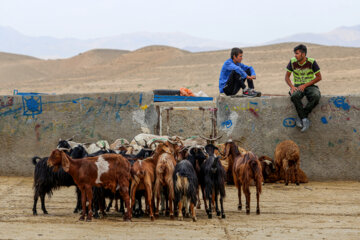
<point>257,171</point>
<point>182,183</point>
<point>34,160</point>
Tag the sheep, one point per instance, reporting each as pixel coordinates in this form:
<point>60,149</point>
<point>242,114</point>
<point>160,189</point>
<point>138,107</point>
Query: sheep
<point>45,181</point>
<point>245,169</point>
<point>268,169</point>
<point>276,175</point>
<point>213,180</point>
<point>287,158</point>
<point>185,186</point>
<point>108,170</point>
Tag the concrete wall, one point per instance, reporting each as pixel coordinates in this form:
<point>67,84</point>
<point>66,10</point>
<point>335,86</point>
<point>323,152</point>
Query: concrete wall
<point>329,150</point>
<point>32,126</point>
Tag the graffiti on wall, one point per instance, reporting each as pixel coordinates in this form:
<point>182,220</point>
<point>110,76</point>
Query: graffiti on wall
<point>336,111</point>
<point>29,112</point>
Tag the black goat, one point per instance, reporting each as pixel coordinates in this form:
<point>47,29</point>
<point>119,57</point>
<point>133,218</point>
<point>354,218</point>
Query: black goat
<point>185,187</point>
<point>197,156</point>
<point>46,180</point>
<point>213,180</point>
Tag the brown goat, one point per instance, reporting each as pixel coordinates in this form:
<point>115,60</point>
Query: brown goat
<point>143,176</point>
<point>287,159</point>
<point>164,178</point>
<point>109,171</point>
<point>245,169</point>
<point>228,162</point>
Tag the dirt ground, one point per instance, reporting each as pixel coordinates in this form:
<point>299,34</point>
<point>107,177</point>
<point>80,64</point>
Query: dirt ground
<point>317,210</point>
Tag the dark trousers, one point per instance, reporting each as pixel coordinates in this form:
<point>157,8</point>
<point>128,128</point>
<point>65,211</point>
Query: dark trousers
<point>235,82</point>
<point>312,93</point>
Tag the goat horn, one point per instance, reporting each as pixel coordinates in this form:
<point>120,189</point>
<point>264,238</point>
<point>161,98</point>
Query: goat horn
<point>64,149</point>
<point>155,141</point>
<point>211,139</point>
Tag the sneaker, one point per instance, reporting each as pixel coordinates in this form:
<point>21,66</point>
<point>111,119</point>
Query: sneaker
<point>258,94</point>
<point>248,93</point>
<point>298,122</point>
<point>306,124</point>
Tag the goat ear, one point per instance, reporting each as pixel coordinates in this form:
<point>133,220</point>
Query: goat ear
<point>65,162</point>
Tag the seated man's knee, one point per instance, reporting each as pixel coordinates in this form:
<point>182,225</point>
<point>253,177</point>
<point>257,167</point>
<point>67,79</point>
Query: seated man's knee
<point>295,96</point>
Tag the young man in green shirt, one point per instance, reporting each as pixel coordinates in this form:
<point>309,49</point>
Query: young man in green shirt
<point>306,73</point>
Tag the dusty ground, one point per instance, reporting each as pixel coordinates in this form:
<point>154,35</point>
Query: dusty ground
<point>317,210</point>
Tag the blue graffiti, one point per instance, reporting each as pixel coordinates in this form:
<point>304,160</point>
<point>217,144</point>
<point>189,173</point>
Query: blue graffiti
<point>339,102</point>
<point>354,130</point>
<point>9,112</point>
<point>227,124</point>
<point>32,105</point>
<point>140,99</point>
<point>324,120</point>
<point>289,122</point>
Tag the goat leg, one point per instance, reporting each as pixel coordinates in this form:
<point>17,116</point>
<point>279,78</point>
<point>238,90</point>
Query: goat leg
<point>296,168</point>
<point>204,199</point>
<point>180,215</point>
<point>239,196</point>
<point>222,207</point>
<point>198,206</point>
<point>210,210</point>
<point>193,214</point>
<point>171,208</point>
<point>109,205</point>
<point>42,198</point>
<point>216,203</point>
<point>89,197</point>
<point>78,200</point>
<point>83,203</point>
<point>257,201</point>
<point>124,193</point>
<point>36,197</point>
<point>247,196</point>
<point>149,200</point>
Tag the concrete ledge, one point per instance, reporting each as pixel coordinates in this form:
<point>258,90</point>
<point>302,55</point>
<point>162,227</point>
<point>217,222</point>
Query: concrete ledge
<point>330,150</point>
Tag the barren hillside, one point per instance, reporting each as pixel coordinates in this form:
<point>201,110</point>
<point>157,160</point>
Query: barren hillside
<point>154,67</point>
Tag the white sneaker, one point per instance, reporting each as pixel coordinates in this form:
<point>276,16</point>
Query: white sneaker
<point>298,122</point>
<point>306,124</point>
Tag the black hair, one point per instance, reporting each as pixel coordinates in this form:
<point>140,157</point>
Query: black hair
<point>235,52</point>
<point>302,48</point>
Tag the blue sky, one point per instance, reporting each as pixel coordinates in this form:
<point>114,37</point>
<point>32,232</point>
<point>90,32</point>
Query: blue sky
<point>252,21</point>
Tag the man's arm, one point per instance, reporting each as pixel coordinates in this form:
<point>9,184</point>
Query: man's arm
<point>288,81</point>
<point>252,71</point>
<point>233,67</point>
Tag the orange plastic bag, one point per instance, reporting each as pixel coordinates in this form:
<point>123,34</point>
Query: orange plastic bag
<point>186,92</point>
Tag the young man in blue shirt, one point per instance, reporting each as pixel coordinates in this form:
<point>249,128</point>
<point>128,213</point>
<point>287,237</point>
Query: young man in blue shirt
<point>233,75</point>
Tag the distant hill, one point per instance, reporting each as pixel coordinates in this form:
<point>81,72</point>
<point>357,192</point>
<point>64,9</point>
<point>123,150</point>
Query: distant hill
<point>342,36</point>
<point>48,47</point>
<point>163,67</point>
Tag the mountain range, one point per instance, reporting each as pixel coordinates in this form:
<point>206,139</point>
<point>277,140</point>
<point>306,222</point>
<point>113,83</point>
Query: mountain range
<point>12,41</point>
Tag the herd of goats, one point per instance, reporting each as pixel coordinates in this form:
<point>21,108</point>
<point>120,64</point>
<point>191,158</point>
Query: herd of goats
<point>168,171</point>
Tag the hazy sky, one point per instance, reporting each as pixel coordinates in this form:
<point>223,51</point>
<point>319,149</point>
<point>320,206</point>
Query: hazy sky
<point>251,21</point>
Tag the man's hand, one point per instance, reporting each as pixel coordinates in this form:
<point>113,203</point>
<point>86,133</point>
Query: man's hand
<point>301,88</point>
<point>294,89</point>
<point>251,77</point>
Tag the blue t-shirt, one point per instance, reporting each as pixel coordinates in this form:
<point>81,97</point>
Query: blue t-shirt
<point>230,66</point>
